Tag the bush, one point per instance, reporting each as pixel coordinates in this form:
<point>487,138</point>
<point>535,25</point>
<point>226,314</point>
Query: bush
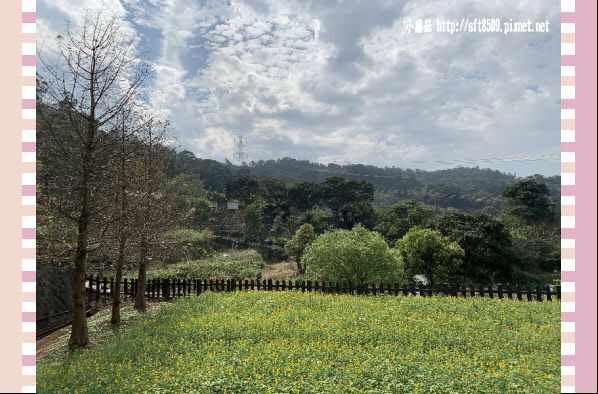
<point>358,256</point>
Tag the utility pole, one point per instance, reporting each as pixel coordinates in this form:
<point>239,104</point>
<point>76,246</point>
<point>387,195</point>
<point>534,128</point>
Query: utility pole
<point>239,152</point>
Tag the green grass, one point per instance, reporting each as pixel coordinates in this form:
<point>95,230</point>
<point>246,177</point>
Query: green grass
<point>241,265</point>
<point>289,342</point>
<point>100,330</point>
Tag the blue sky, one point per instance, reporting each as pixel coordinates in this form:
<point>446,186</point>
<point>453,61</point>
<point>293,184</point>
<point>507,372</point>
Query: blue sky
<point>345,82</point>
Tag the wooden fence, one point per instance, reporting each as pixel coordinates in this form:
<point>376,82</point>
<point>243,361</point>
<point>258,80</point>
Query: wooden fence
<point>165,289</point>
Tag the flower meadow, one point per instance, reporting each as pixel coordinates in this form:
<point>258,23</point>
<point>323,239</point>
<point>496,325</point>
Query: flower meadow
<point>293,342</point>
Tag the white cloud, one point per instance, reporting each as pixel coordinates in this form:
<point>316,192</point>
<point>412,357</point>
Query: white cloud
<point>349,83</point>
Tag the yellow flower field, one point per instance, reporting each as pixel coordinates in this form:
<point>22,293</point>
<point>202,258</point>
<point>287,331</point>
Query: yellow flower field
<point>292,342</point>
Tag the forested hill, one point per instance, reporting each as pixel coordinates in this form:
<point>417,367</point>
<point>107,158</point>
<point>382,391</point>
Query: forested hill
<point>464,188</point>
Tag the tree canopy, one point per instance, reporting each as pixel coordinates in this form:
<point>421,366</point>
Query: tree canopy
<point>358,256</point>
<point>427,252</point>
<point>529,199</point>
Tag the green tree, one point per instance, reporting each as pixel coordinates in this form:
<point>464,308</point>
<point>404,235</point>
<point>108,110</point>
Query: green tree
<point>401,217</point>
<point>315,218</point>
<point>358,256</point>
<point>252,217</point>
<point>304,236</point>
<point>273,190</point>
<point>340,194</point>
<point>245,190</point>
<point>489,253</point>
<point>427,252</point>
<point>538,245</point>
<point>304,195</point>
<point>529,200</point>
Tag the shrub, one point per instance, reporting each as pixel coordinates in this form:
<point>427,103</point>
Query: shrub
<point>302,238</point>
<point>358,256</point>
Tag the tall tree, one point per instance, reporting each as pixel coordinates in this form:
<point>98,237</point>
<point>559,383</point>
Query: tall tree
<point>529,200</point>
<point>123,171</point>
<point>399,218</point>
<point>155,200</point>
<point>341,194</point>
<point>94,73</point>
<point>244,189</point>
<point>304,195</point>
<point>488,247</point>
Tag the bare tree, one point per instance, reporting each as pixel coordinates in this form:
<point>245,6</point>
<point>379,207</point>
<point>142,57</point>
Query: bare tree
<point>94,73</point>
<point>123,212</point>
<point>157,209</point>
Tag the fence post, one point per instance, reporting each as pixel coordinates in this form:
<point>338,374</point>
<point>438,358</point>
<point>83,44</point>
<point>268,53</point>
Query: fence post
<point>269,284</point>
<point>529,292</point>
<point>500,291</point>
<point>509,291</point>
<point>445,289</point>
<point>481,290</point>
<point>519,296</point>
<point>472,290</point>
<point>350,287</point>
<point>558,292</point>
<point>463,291</point>
<point>396,289</point>
<point>548,293</point>
<point>490,291</point>
<point>539,293</point>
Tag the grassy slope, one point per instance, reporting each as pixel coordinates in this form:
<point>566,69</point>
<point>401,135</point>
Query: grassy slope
<point>302,343</point>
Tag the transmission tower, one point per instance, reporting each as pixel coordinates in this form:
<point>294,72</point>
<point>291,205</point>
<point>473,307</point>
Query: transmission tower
<point>240,140</point>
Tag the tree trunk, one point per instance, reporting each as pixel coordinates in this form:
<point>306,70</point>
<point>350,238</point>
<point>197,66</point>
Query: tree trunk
<point>79,337</point>
<point>140,297</point>
<point>115,321</point>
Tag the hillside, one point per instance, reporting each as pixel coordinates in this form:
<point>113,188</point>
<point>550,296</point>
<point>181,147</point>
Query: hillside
<point>464,188</point>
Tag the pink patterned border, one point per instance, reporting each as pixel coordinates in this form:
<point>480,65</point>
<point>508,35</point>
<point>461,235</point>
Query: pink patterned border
<point>28,227</point>
<point>567,195</point>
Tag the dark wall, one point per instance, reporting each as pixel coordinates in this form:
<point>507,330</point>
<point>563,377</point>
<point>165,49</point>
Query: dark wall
<point>54,293</point>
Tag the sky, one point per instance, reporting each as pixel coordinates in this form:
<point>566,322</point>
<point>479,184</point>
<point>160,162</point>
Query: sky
<point>348,81</point>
